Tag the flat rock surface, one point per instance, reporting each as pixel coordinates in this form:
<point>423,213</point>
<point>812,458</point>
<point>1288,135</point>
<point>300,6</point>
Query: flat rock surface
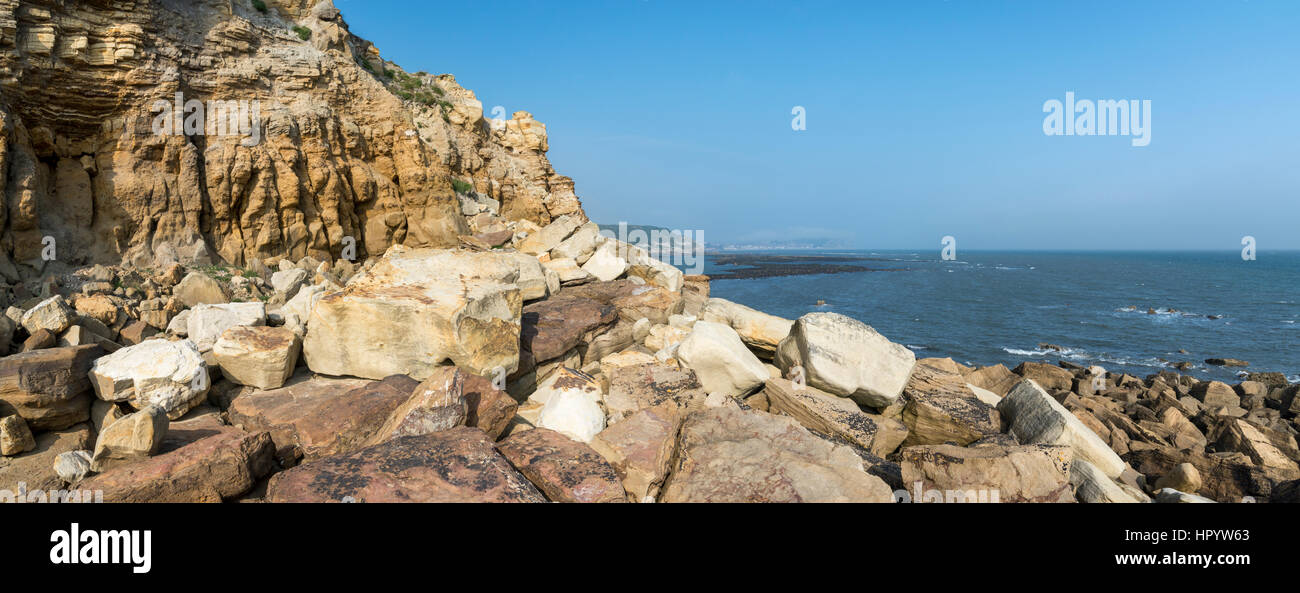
<point>458,465</point>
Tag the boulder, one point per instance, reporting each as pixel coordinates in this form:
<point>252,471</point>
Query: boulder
<point>415,310</point>
<point>136,333</point>
<point>727,454</point>
<point>552,327</point>
<point>721,361</point>
<point>15,437</point>
<point>1034,417</point>
<point>834,416</point>
<point>169,374</point>
<point>52,315</point>
<point>567,272</point>
<point>758,330</point>
<point>1049,377</point>
<point>570,405</point>
<point>200,460</point>
<point>1215,395</point>
<point>206,323</point>
<point>564,470</point>
<point>695,290</point>
<point>532,277</point>
<point>135,436</point>
<point>457,465</point>
<point>640,448</point>
<point>435,405</point>
<point>638,386</point>
<point>1026,473</point>
<point>198,288</point>
<point>605,264</point>
<point>73,466</point>
<point>845,357</point>
<point>550,236</point>
<point>487,408</point>
<point>48,388</point>
<point>941,409</point>
<point>321,417</point>
<point>39,340</point>
<point>580,245</point>
<point>288,282</point>
<point>1183,477</point>
<point>996,379</point>
<point>1092,486</point>
<point>261,357</point>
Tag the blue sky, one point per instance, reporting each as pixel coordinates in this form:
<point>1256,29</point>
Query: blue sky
<point>924,117</point>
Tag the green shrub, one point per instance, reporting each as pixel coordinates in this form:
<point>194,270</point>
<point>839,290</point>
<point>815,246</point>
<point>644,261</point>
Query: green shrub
<point>303,32</point>
<point>260,6</point>
<point>462,187</point>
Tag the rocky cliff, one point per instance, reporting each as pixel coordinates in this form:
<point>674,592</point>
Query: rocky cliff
<point>339,148</point>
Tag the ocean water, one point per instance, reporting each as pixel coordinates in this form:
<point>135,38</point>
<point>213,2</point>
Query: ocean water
<point>997,307</point>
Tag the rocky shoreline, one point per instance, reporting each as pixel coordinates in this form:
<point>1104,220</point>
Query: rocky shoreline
<point>389,297</point>
<point>563,365</point>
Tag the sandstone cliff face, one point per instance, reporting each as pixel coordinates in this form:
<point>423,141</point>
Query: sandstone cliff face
<point>334,158</point>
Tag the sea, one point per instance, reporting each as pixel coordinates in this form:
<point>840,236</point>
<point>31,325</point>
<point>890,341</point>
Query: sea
<point>1132,312</point>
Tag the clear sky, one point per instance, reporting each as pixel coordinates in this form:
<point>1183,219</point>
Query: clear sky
<point>924,117</point>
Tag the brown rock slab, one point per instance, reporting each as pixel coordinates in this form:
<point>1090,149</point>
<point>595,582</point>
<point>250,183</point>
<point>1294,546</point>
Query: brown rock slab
<point>564,470</point>
<point>641,386</point>
<point>436,404</point>
<point>48,388</point>
<point>554,326</point>
<point>457,465</point>
<point>488,408</point>
<point>321,417</point>
<point>201,460</point>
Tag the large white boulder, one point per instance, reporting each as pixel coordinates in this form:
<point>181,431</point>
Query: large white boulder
<point>415,310</point>
<point>720,360</point>
<point>570,403</point>
<point>845,357</point>
<point>206,323</point>
<point>605,264</point>
<point>759,330</point>
<point>169,374</point>
<point>1035,418</point>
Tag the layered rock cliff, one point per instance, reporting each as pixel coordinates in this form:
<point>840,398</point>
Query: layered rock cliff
<point>344,149</point>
